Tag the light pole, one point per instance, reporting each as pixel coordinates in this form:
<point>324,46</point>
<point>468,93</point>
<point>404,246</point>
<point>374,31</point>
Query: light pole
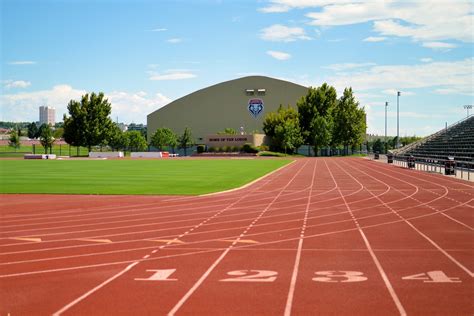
<point>398,119</point>
<point>386,105</point>
<point>468,107</point>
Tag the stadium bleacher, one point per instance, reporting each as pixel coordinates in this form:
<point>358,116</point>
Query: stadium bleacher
<point>456,141</point>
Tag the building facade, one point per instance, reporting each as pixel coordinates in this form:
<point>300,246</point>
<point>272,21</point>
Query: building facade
<point>47,115</point>
<point>240,104</point>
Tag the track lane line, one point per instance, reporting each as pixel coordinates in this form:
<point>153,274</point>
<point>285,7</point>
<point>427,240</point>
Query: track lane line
<point>382,273</point>
<point>190,292</point>
<point>291,291</point>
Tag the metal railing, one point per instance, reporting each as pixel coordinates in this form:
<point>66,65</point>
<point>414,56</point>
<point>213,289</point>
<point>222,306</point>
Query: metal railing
<point>462,169</point>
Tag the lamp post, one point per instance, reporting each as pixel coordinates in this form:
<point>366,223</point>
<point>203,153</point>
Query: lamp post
<point>386,105</point>
<point>468,107</point>
<point>398,119</point>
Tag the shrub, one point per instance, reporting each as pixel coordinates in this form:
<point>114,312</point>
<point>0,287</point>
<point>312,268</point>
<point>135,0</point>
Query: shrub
<point>271,154</point>
<point>200,149</point>
<point>263,148</point>
<point>211,149</point>
<point>248,148</point>
<point>235,149</point>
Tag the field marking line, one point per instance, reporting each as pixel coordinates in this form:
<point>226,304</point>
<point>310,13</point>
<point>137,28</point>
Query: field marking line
<point>32,239</point>
<point>188,294</point>
<point>382,273</point>
<point>85,295</point>
<point>445,195</point>
<point>250,183</point>
<point>95,289</point>
<point>291,290</point>
<point>465,269</point>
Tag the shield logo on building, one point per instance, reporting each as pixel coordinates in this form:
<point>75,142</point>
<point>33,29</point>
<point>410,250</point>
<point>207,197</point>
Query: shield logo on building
<point>255,107</point>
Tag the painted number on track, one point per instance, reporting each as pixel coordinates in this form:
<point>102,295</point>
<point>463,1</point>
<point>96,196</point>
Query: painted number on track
<point>339,276</point>
<point>251,276</point>
<point>159,275</point>
<point>432,277</point>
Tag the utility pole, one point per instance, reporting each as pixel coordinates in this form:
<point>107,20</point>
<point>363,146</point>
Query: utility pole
<point>386,105</point>
<point>398,119</point>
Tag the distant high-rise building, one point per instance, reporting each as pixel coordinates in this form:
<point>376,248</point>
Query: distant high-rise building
<point>47,115</point>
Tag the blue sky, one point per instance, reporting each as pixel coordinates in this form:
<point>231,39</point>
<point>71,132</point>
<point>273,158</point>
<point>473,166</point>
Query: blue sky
<point>144,54</point>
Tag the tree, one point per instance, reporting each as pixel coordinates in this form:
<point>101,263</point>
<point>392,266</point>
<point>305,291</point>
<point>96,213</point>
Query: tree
<point>89,123</point>
<point>46,138</point>
<point>318,102</point>
<point>349,121</point>
<point>163,137</point>
<point>14,140</point>
<point>136,141</point>
<point>58,133</point>
<point>228,131</point>
<point>117,139</point>
<point>377,146</point>
<point>185,140</point>
<point>32,130</point>
<point>278,124</point>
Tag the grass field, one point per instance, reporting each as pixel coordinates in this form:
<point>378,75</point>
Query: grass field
<point>180,176</point>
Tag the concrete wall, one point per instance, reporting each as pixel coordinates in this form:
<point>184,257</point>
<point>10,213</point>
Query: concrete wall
<point>225,105</point>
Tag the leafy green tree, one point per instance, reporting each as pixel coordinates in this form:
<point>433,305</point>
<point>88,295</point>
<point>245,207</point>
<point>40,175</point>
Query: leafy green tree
<point>46,138</point>
<point>117,139</point>
<point>89,123</point>
<point>278,124</point>
<point>14,139</point>
<point>58,133</point>
<point>136,141</point>
<point>349,121</point>
<point>289,135</point>
<point>228,131</point>
<point>32,130</point>
<point>315,115</point>
<point>185,140</point>
<point>377,146</point>
<point>163,137</point>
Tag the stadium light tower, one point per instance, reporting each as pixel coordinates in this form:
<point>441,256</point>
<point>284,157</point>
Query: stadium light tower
<point>386,105</point>
<point>398,119</point>
<point>468,107</point>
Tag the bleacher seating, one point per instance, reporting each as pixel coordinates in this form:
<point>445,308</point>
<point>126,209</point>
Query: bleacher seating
<point>456,141</point>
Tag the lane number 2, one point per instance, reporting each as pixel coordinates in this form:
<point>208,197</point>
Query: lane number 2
<point>251,276</point>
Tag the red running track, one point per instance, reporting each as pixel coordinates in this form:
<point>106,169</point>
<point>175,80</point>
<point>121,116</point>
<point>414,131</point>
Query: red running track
<point>320,236</point>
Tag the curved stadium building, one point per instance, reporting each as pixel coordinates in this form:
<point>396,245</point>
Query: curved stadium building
<point>240,103</point>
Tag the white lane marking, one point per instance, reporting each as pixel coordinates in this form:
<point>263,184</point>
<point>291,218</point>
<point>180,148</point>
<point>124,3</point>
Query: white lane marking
<point>243,241</point>
<point>469,272</point>
<point>106,241</point>
<point>98,287</point>
<point>26,239</point>
<point>168,241</point>
<point>291,291</point>
<point>159,275</point>
<point>221,257</point>
<point>382,273</point>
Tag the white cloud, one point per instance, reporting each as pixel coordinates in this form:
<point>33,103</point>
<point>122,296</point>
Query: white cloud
<point>281,33</point>
<point>279,55</point>
<point>422,21</point>
<point>174,40</point>
<point>172,74</point>
<point>278,6</point>
<point>426,60</point>
<point>22,62</point>
<point>129,107</point>
<point>374,39</point>
<point>447,76</point>
<point>159,30</point>
<point>439,45</point>
<point>8,84</point>
<point>348,66</point>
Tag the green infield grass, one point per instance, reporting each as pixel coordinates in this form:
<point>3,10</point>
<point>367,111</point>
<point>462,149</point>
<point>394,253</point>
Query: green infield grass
<point>164,177</point>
